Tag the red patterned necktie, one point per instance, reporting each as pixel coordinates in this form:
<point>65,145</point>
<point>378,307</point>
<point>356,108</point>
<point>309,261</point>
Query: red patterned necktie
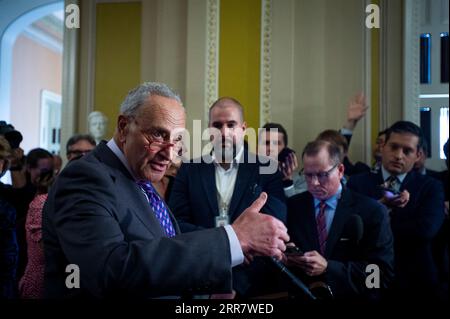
<point>322,227</point>
<point>159,208</point>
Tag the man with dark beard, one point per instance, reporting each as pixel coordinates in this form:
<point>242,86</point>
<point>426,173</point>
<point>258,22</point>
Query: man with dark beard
<point>215,190</point>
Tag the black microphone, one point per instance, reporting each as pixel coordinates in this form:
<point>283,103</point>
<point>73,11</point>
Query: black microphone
<point>298,283</point>
<point>354,228</point>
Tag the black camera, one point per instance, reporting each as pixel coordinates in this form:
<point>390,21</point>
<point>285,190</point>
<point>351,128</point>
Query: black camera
<point>13,136</point>
<point>293,251</point>
<point>283,156</point>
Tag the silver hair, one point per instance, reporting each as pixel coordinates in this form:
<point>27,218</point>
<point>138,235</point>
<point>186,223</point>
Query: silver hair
<point>138,96</point>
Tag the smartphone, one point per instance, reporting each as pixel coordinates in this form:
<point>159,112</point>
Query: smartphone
<point>293,251</point>
<point>45,175</point>
<point>390,192</point>
<point>283,156</point>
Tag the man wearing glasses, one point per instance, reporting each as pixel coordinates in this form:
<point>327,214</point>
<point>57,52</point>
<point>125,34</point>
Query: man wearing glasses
<point>339,231</point>
<point>104,216</point>
<point>79,145</point>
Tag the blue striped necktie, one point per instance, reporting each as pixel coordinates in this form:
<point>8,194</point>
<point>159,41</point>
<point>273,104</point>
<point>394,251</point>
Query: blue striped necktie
<point>158,206</point>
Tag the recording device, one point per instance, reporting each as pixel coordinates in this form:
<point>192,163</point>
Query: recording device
<point>13,136</point>
<point>389,192</point>
<point>293,251</point>
<point>283,156</point>
<point>294,279</point>
<point>353,229</point>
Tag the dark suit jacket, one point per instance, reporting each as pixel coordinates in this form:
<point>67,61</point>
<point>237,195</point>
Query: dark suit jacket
<point>353,169</point>
<point>8,250</point>
<point>99,219</point>
<point>348,251</point>
<point>194,203</point>
<point>414,228</point>
<point>194,195</point>
<point>350,168</point>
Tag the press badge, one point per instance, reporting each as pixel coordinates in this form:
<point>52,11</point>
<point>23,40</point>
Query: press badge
<point>222,220</point>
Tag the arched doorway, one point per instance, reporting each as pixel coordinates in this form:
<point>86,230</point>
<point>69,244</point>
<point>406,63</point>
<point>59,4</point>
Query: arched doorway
<point>28,38</point>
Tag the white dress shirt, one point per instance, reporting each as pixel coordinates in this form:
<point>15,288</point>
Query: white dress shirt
<point>225,181</point>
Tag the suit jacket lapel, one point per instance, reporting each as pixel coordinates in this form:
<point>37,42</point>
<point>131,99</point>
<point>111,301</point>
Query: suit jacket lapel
<point>341,215</point>
<point>141,206</point>
<point>408,179</point>
<point>310,219</point>
<point>105,155</point>
<point>173,219</point>
<point>208,178</point>
<point>242,187</point>
<point>378,181</point>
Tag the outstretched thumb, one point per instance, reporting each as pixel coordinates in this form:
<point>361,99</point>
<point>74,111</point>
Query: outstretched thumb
<point>259,202</point>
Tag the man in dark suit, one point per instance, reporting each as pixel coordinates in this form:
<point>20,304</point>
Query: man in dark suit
<point>214,190</point>
<point>229,184</point>
<point>104,216</point>
<point>339,231</point>
<point>416,212</point>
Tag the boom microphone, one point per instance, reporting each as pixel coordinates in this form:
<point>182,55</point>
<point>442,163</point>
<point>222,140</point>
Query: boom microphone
<point>298,283</point>
<point>354,228</point>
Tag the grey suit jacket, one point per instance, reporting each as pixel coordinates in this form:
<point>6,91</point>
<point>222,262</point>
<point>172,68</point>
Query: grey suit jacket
<point>99,219</point>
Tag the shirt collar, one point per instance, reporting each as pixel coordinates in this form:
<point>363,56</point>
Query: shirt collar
<point>386,175</point>
<point>236,160</point>
<point>331,201</point>
<point>118,152</point>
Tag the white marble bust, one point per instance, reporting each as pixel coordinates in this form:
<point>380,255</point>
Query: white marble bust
<point>97,123</point>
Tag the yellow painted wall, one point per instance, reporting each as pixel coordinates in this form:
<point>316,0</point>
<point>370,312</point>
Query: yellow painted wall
<point>239,54</point>
<point>117,56</point>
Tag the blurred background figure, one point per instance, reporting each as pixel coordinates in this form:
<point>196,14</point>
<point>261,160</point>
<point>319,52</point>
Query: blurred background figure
<point>445,177</point>
<point>17,160</point>
<point>164,186</point>
<point>39,164</point>
<point>57,164</point>
<point>376,152</point>
<point>97,123</point>
<point>79,145</point>
<point>8,241</point>
<point>273,142</point>
<point>42,171</point>
<point>31,285</point>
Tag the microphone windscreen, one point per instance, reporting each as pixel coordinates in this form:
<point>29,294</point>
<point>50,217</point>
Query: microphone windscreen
<point>354,228</point>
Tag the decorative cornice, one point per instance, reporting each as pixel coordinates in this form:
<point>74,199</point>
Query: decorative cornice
<point>266,62</point>
<point>212,54</point>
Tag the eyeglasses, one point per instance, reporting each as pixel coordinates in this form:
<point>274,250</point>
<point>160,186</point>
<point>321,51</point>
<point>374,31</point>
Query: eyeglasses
<point>322,177</point>
<point>157,141</point>
<point>77,153</point>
